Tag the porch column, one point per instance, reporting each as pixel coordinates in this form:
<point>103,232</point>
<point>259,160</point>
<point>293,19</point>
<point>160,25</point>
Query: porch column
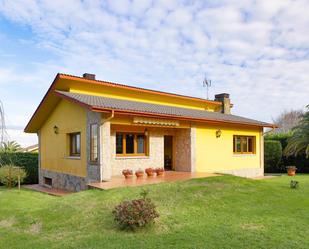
<point>193,147</point>
<point>185,149</point>
<point>105,152</point>
<point>93,169</point>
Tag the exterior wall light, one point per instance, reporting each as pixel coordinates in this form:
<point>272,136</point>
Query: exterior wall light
<point>56,129</point>
<point>146,132</point>
<point>218,133</point>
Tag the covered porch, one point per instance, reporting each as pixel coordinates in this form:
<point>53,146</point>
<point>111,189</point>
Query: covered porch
<point>169,176</point>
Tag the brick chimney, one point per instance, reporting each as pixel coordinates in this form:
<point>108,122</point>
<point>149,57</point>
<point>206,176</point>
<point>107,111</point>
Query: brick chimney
<point>226,102</point>
<point>89,76</point>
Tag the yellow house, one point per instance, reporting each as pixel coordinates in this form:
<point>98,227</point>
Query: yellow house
<point>90,130</point>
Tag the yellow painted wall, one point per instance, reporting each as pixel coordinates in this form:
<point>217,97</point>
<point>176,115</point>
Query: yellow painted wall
<point>69,118</point>
<point>215,154</point>
<point>113,92</point>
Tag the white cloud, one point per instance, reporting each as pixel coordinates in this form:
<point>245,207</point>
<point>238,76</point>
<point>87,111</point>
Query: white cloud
<point>255,50</point>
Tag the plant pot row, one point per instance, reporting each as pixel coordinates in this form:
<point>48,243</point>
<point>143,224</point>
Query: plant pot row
<point>140,173</point>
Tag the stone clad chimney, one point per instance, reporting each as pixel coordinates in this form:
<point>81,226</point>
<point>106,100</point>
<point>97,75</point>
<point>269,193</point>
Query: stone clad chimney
<point>89,76</point>
<point>226,102</point>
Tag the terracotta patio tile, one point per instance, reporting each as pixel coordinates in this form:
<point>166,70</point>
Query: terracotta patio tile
<point>169,176</point>
<point>46,190</point>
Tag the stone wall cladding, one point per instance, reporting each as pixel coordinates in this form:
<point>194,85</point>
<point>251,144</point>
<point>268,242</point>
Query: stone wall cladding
<point>182,155</point>
<point>105,152</point>
<point>193,150</point>
<point>154,160</point>
<point>183,150</point>
<point>64,181</point>
<point>93,169</point>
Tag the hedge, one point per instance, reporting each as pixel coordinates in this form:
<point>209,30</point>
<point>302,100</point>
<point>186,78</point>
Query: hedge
<point>301,162</point>
<point>272,156</point>
<point>29,161</point>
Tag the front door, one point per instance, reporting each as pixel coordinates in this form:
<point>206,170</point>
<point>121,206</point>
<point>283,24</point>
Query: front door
<point>168,152</point>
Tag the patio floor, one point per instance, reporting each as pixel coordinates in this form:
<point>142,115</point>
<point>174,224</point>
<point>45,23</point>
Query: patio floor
<point>169,176</point>
<point>50,191</point>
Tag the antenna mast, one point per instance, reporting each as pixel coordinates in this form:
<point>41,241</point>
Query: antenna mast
<point>2,125</point>
<point>207,84</point>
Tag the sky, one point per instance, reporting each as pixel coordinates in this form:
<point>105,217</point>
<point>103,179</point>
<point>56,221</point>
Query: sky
<point>257,51</point>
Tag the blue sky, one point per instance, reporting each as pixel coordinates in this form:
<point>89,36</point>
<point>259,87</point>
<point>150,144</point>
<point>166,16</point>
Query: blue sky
<point>255,50</point>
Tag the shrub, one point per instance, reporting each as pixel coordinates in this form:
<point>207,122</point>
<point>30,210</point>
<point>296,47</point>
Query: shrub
<point>300,161</point>
<point>272,156</point>
<point>29,161</point>
<point>281,137</point>
<point>9,175</point>
<point>135,213</point>
<point>294,184</point>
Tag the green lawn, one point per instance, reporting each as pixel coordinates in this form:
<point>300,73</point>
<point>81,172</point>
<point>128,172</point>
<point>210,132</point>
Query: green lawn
<point>218,212</point>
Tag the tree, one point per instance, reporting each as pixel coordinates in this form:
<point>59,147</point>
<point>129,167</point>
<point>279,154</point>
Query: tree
<point>10,146</point>
<point>299,142</point>
<point>287,120</point>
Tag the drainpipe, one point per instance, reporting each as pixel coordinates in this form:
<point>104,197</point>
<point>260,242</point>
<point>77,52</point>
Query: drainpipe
<point>110,117</point>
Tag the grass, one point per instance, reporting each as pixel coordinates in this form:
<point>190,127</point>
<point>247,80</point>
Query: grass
<point>218,212</point>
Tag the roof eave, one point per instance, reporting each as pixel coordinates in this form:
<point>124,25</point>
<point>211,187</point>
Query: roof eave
<point>50,89</point>
<point>119,111</point>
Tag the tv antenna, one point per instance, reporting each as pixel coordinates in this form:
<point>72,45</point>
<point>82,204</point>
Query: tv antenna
<point>207,84</point>
<point>2,125</point>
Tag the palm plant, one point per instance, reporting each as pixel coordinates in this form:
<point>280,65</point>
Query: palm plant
<point>299,142</point>
<point>10,146</point>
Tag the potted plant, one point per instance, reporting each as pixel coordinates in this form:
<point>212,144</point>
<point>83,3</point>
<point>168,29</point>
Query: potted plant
<point>291,170</point>
<point>139,173</point>
<point>150,172</point>
<point>127,173</point>
<point>159,171</point>
<point>294,184</point>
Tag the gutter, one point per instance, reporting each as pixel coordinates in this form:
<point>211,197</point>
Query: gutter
<point>127,112</point>
<point>272,129</point>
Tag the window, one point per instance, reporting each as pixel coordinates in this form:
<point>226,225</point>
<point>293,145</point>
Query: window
<point>48,181</point>
<point>244,144</point>
<point>75,144</point>
<point>131,144</point>
<point>119,144</point>
<point>94,143</point>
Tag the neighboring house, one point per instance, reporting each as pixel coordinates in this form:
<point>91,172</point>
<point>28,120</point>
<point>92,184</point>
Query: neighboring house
<point>32,148</point>
<point>90,130</point>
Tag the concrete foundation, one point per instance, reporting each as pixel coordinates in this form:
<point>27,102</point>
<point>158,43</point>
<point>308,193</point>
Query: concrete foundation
<point>247,172</point>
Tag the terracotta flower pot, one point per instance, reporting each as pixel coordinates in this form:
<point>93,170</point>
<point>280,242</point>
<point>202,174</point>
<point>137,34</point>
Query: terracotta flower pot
<point>291,171</point>
<point>127,173</point>
<point>128,176</point>
<point>159,171</point>
<point>139,174</point>
<point>150,174</point>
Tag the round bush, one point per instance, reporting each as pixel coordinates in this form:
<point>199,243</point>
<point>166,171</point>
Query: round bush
<point>9,175</point>
<point>135,213</point>
<point>26,160</point>
<point>272,156</point>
